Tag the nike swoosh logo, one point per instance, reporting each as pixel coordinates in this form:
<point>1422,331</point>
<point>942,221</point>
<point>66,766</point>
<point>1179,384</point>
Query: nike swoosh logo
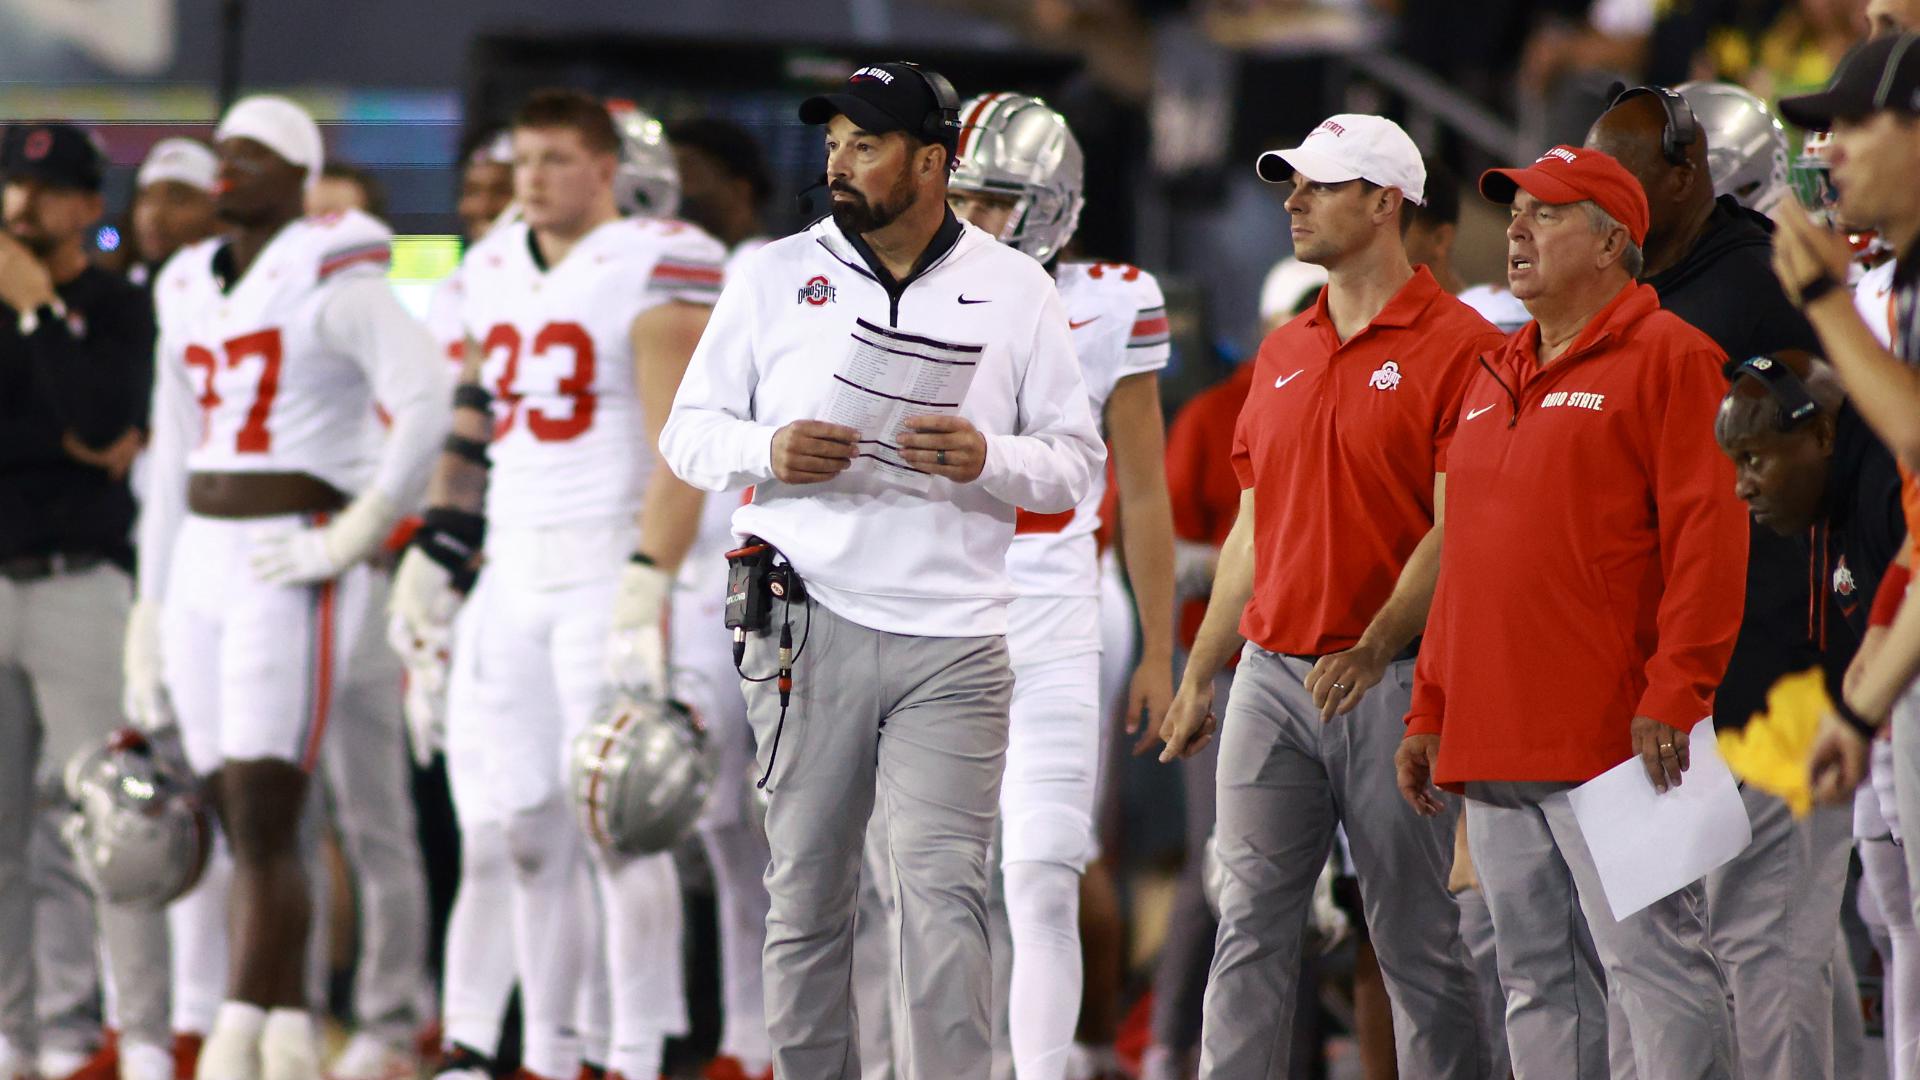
<point>1478,411</point>
<point>1285,379</point>
<point>964,300</point>
<point>1071,325</point>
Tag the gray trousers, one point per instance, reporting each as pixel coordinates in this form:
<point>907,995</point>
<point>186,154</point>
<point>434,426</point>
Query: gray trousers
<point>1771,915</point>
<point>363,760</point>
<point>1285,780</point>
<point>1476,931</point>
<point>59,694</point>
<point>914,728</point>
<point>1542,889</point>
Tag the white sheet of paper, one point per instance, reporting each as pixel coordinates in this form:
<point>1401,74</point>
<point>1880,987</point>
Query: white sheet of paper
<point>889,376</point>
<point>1649,846</point>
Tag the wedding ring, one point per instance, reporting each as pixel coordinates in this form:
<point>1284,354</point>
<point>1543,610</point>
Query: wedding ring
<point>940,457</point>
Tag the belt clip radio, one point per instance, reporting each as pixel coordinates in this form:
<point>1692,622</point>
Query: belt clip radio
<point>749,601</point>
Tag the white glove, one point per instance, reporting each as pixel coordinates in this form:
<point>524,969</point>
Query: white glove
<point>144,692</point>
<point>420,629</point>
<point>302,556</point>
<point>637,647</point>
<point>428,659</point>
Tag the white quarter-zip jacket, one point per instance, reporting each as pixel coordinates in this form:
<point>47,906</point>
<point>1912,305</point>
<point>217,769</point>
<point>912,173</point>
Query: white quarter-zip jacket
<point>875,551</point>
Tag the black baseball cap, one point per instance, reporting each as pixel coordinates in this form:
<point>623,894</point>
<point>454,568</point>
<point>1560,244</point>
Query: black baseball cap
<point>882,98</point>
<point>59,155</point>
<point>1880,75</point>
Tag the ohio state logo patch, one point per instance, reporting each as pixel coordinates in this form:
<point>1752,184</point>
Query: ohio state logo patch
<point>817,291</point>
<point>1387,378</point>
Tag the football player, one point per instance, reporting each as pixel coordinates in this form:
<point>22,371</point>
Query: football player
<point>580,323</point>
<point>269,483</point>
<point>1019,178</point>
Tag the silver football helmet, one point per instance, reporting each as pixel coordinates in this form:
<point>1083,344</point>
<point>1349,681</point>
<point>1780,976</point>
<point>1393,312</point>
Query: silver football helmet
<point>640,775</point>
<point>648,180</point>
<point>1018,147</point>
<point>138,828</point>
<point>1746,144</point>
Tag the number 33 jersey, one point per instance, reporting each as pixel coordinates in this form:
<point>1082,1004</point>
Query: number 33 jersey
<point>281,360</point>
<point>569,436</point>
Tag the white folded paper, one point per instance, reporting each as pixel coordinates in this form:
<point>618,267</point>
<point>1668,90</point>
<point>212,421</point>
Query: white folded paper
<point>1649,846</point>
<point>888,377</point>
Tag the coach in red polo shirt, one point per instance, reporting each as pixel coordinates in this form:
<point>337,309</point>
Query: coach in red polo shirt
<point>1590,592</point>
<point>1326,578</point>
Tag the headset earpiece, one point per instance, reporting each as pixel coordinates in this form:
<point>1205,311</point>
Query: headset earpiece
<point>1682,128</point>
<point>943,124</point>
<point>1796,405</point>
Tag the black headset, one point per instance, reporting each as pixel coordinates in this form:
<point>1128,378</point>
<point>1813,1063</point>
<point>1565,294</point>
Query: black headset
<point>1796,405</point>
<point>943,124</point>
<point>1682,127</point>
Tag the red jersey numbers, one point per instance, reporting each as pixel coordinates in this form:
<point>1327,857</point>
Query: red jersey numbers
<point>1126,271</point>
<point>554,339</point>
<point>256,357</point>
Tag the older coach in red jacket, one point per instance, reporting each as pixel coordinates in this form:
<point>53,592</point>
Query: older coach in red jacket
<point>1590,590</point>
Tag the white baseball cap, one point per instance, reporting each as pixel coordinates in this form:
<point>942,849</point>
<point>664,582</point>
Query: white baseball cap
<point>187,161</point>
<point>280,126</point>
<point>1352,146</point>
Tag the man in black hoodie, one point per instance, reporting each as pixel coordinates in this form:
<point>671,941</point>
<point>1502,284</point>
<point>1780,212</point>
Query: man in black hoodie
<point>1711,262</point>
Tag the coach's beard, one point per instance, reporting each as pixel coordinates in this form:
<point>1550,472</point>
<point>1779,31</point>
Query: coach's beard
<point>857,216</point>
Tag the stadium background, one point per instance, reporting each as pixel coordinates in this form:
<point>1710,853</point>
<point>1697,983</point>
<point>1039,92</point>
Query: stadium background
<point>1172,99</point>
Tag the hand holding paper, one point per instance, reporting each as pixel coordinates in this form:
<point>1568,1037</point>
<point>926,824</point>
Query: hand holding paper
<point>1647,844</point>
<point>945,445</point>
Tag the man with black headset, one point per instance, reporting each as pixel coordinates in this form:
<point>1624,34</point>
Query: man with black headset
<point>1772,909</point>
<point>893,685</point>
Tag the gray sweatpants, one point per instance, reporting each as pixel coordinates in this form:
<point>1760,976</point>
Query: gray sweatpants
<point>1539,881</point>
<point>370,798</point>
<point>914,728</point>
<point>1771,914</point>
<point>1285,780</point>
<point>59,694</point>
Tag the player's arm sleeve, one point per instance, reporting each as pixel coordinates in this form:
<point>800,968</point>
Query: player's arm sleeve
<point>363,319</point>
<point>711,439</point>
<point>174,423</point>
<point>1149,340</point>
<point>1049,465</point>
<point>95,376</point>
<point>1703,546</point>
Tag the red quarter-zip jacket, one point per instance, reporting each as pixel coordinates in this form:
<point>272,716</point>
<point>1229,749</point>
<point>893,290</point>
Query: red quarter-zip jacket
<point>1595,557</point>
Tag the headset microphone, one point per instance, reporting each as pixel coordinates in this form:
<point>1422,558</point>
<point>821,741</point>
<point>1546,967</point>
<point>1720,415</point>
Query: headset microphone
<point>803,197</point>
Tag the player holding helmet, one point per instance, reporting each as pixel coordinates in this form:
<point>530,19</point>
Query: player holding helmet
<point>579,323</point>
<point>1019,178</point>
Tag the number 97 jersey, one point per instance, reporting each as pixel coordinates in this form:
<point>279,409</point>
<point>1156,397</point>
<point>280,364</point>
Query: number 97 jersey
<point>569,437</point>
<point>283,377</point>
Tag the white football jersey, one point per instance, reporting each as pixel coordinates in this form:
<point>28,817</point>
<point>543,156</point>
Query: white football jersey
<point>1118,320</point>
<point>569,437</point>
<point>280,388</point>
<point>444,313</point>
<point>1873,296</point>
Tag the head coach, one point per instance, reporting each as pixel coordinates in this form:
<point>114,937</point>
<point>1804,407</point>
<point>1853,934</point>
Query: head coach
<point>1589,595</point>
<point>895,638</point>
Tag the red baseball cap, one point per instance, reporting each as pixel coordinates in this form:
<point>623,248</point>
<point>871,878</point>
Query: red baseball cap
<point>1570,174</point>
